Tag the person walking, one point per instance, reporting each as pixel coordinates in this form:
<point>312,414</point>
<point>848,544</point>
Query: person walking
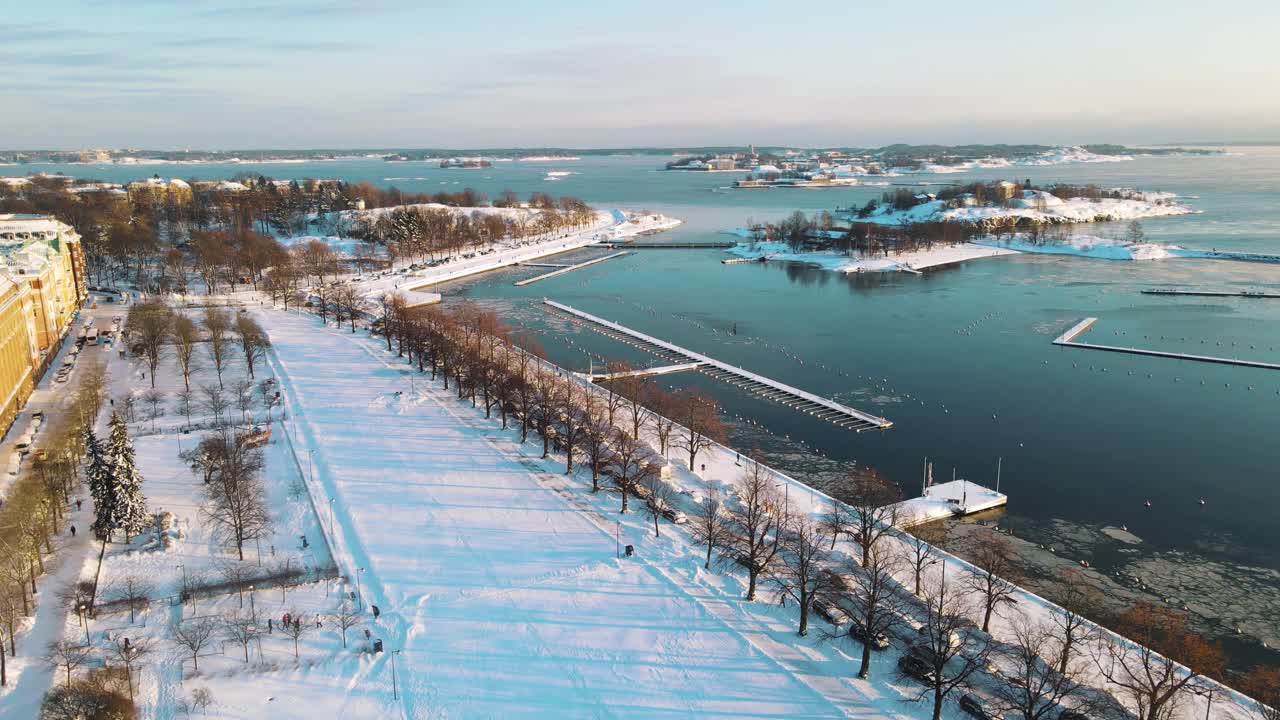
<point>73,531</point>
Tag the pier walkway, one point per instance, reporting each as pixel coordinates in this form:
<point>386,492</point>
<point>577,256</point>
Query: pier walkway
<point>670,245</point>
<point>1213,293</point>
<point>568,268</point>
<point>840,415</point>
<point>1067,339</point>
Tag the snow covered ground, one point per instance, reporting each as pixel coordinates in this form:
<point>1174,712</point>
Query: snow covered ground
<point>1040,206</point>
<point>498,578</point>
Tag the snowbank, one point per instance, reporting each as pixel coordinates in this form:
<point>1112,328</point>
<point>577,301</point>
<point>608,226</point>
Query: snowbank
<point>1038,206</point>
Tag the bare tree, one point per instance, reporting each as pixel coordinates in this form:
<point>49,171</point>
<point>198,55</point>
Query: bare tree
<point>128,652</point>
<point>193,635</point>
<point>596,433</point>
<point>242,391</point>
<point>1076,596</point>
<point>217,324</point>
<point>872,593</point>
<point>942,647</point>
<point>1159,664</point>
<point>240,629</point>
<point>700,416</point>
<point>991,566</point>
<point>922,547</point>
<point>237,577</point>
<point>252,338</point>
<point>185,400</point>
<point>710,525</point>
<point>631,465</point>
<point>148,329</point>
<point>183,337</point>
<point>68,655</point>
<point>154,400</point>
<point>135,592</point>
<point>801,575</point>
<point>237,500</point>
<point>757,518</point>
<point>664,426</point>
<point>212,400</point>
<point>836,520</point>
<point>1032,685</point>
<point>658,494</point>
<point>873,500</point>
<point>347,617</point>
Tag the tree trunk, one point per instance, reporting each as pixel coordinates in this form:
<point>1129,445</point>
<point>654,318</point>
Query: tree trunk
<point>865,669</point>
<point>751,584</point>
<point>707,564</point>
<point>986,616</point>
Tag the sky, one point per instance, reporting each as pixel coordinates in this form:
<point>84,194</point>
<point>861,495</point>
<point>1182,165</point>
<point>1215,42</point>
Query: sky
<point>240,74</point>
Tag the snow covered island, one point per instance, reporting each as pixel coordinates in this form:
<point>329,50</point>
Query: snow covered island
<point>908,231</point>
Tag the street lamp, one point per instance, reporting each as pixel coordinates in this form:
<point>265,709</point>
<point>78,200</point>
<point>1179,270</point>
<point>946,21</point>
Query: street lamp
<point>84,620</point>
<point>253,610</point>
<point>331,518</point>
<point>359,594</point>
<point>394,692</point>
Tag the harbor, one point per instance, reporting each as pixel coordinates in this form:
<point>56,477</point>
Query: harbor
<point>840,415</point>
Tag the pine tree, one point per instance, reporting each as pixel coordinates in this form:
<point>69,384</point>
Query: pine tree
<point>102,486</point>
<point>131,514</point>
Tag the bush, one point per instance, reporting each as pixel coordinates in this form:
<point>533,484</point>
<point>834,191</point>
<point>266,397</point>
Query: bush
<point>96,698</point>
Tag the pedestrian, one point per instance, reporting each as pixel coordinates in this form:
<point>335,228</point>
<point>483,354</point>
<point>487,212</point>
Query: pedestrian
<point>270,625</point>
<point>285,620</point>
<point>73,531</point>
<point>78,504</point>
<point>366,634</point>
<point>318,623</point>
<point>376,612</point>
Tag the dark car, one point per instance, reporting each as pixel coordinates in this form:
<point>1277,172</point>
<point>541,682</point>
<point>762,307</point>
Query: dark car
<point>914,667</point>
<point>972,705</point>
<point>1072,715</point>
<point>878,641</point>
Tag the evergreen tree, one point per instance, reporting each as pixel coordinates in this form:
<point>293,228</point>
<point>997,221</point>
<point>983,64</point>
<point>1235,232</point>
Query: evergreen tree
<point>102,486</point>
<point>130,514</point>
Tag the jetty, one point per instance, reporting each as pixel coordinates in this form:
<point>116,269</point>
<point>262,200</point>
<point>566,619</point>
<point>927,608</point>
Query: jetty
<point>949,499</point>
<point>1067,339</point>
<point>836,413</point>
<point>670,246</point>
<point>642,372</point>
<point>1212,293</point>
<point>568,268</point>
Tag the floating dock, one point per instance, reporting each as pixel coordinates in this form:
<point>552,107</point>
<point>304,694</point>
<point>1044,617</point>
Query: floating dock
<point>1213,293</point>
<point>670,246</point>
<point>840,415</point>
<point>568,268</point>
<point>1067,339</point>
<point>949,499</point>
<point>642,372</point>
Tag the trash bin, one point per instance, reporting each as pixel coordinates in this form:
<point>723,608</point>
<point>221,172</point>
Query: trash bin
<point>631,550</point>
<point>377,645</point>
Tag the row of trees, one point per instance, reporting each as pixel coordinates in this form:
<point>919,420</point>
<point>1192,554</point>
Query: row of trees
<point>35,507</point>
<point>153,331</point>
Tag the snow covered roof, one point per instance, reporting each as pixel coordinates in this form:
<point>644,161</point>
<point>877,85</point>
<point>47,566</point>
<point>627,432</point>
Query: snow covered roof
<point>15,181</point>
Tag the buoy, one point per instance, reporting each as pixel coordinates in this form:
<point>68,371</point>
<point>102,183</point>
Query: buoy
<point>1147,503</point>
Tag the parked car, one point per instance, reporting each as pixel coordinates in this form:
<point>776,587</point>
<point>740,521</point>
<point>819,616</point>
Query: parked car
<point>878,641</point>
<point>1072,715</point>
<point>914,667</point>
<point>972,705</point>
<point>674,516</point>
<point>831,612</point>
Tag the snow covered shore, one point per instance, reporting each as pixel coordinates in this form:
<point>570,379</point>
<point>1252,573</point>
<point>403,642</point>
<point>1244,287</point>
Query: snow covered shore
<point>1038,206</point>
<point>912,261</point>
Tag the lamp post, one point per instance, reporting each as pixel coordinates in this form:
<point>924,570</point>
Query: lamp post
<point>359,593</point>
<point>253,610</point>
<point>331,518</point>
<point>84,620</point>
<point>394,691</point>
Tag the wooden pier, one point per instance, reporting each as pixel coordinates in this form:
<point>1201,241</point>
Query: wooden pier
<point>568,268</point>
<point>642,372</point>
<point>1212,293</point>
<point>1067,339</point>
<point>839,415</point>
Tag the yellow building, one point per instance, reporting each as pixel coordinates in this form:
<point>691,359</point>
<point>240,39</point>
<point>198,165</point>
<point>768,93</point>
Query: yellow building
<point>43,259</point>
<point>17,350</point>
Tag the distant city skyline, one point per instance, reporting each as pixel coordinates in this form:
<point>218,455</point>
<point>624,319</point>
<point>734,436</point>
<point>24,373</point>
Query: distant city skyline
<point>288,74</point>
